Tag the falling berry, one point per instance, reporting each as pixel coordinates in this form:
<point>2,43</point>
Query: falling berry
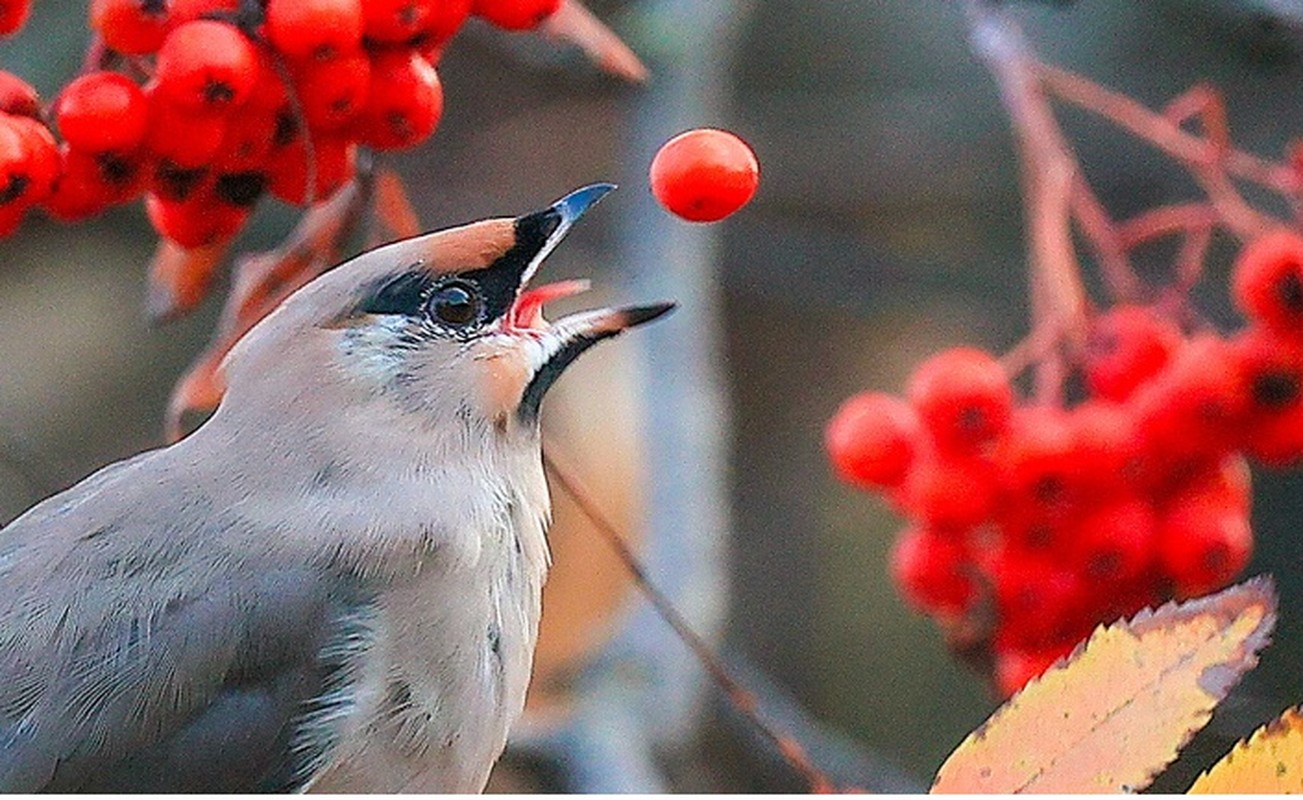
<point>704,175</point>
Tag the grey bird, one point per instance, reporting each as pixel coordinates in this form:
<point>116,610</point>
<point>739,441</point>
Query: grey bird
<point>331,585</point>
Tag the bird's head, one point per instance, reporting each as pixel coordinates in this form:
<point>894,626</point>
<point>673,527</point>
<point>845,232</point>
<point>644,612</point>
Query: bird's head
<point>443,326</point>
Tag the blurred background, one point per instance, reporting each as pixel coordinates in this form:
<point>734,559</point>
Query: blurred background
<point>888,225</point>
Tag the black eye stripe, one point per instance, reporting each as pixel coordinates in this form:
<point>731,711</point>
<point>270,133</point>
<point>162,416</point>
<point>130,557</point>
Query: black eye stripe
<point>408,293</point>
<point>402,294</point>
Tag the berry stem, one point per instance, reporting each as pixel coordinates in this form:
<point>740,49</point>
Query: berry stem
<point>98,56</point>
<point>1104,238</point>
<point>1205,154</point>
<point>1049,173</point>
<point>1165,221</point>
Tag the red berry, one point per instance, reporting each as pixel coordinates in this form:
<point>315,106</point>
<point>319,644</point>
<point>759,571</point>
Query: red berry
<point>951,493</point>
<point>1204,542</point>
<point>333,92</point>
<point>515,15</point>
<point>198,222</point>
<point>269,86</point>
<point>175,183</point>
<point>1029,528</point>
<point>248,142</point>
<point>405,102</point>
<point>704,175</point>
<point>1110,456</point>
<point>1278,440</point>
<point>187,139</point>
<point>333,166</point>
<point>43,157</point>
<point>13,15</point>
<point>448,17</point>
<point>29,161</point>
<point>15,168</point>
<point>871,439</point>
<point>1038,460</point>
<point>182,11</point>
<point>321,29</point>
<point>1270,368</point>
<point>1017,667</point>
<point>134,27</point>
<point>963,397</point>
<point>1194,408</point>
<point>117,178</point>
<point>1116,542</point>
<point>1039,603</point>
<point>206,65</point>
<point>1126,347</point>
<point>102,112</point>
<point>79,193</point>
<point>930,572</point>
<point>1267,282</point>
<point>396,21</point>
<point>17,97</point>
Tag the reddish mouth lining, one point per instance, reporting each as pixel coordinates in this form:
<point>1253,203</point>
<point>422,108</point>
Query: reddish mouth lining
<point>527,311</point>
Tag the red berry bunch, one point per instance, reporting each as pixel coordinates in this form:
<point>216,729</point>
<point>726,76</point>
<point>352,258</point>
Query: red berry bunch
<point>242,98</point>
<point>1029,524</point>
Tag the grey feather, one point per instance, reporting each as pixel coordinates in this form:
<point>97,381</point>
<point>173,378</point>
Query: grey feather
<point>183,665</point>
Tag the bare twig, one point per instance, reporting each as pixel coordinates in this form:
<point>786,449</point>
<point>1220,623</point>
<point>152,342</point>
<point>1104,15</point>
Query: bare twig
<point>1106,241</point>
<point>1190,258</point>
<point>1049,171</point>
<point>1163,132</point>
<point>738,695</point>
<point>1166,221</point>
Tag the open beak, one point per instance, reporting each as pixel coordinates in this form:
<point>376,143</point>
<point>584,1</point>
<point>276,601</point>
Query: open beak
<point>563,341</point>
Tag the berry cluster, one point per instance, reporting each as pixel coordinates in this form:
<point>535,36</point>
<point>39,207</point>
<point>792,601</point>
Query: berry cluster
<point>239,98</point>
<point>1032,523</point>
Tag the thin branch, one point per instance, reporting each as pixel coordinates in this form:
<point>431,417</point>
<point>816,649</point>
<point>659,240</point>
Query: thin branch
<point>738,695</point>
<point>1049,171</point>
<point>1166,221</point>
<point>1102,234</point>
<point>1190,258</point>
<point>1031,350</point>
<point>1161,131</point>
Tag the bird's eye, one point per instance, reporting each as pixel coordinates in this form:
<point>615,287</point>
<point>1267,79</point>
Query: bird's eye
<point>455,305</point>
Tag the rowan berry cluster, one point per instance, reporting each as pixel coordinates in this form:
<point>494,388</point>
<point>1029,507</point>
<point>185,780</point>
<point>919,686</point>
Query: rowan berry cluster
<point>219,102</point>
<point>1030,524</point>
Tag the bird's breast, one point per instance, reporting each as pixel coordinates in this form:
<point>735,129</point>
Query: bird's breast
<point>448,666</point>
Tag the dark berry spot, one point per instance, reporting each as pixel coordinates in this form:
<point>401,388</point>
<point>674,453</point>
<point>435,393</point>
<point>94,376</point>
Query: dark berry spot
<point>1275,389</point>
<point>1289,290</point>
<point>14,189</point>
<point>115,169</point>
<point>971,421</point>
<point>400,125</point>
<point>176,183</point>
<point>217,92</point>
<point>287,128</point>
<point>1049,489</point>
<point>241,188</point>
<point>1216,558</point>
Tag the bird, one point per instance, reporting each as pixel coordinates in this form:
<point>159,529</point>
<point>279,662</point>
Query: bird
<point>333,583</point>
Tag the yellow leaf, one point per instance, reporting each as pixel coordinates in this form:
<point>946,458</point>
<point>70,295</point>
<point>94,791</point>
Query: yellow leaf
<point>1270,762</point>
<point>1118,710</point>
